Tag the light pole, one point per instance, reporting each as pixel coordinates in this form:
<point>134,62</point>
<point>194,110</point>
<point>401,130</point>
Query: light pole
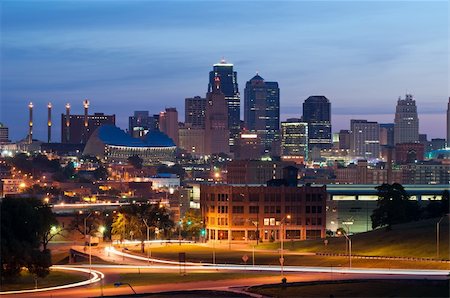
<point>148,238</point>
<point>85,235</point>
<point>282,223</point>
<point>349,248</point>
<point>438,235</point>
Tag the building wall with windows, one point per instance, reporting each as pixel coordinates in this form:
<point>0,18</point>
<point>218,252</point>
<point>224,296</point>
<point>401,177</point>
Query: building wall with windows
<point>243,213</point>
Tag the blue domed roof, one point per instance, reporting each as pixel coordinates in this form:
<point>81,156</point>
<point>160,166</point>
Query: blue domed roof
<point>439,154</point>
<point>112,135</point>
<point>158,138</point>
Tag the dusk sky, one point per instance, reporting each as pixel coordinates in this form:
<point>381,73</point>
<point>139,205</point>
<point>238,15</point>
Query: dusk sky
<point>148,55</point>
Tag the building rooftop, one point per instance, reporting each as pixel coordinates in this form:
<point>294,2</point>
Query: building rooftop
<point>112,135</point>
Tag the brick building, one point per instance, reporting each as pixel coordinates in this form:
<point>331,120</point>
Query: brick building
<point>242,213</point>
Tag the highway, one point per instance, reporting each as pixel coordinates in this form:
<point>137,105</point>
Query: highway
<point>257,275</point>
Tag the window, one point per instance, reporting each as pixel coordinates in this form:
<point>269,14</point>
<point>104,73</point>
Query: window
<point>238,209</point>
<point>308,209</point>
<point>313,209</point>
<point>253,209</point>
<point>254,197</point>
<point>212,197</point>
<point>238,197</point>
<point>319,209</point>
<point>222,209</point>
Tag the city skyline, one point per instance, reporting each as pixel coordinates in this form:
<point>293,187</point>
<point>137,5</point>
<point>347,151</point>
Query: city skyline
<point>48,57</point>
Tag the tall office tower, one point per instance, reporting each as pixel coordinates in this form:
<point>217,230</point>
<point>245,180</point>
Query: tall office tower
<point>387,134</point>
<point>344,139</point>
<point>73,127</point>
<point>4,134</point>
<point>49,122</point>
<point>448,123</point>
<point>294,139</point>
<point>229,87</point>
<point>168,124</point>
<point>317,113</point>
<point>406,122</point>
<point>262,110</point>
<point>365,139</point>
<point>194,111</point>
<point>139,124</point>
<point>217,133</point>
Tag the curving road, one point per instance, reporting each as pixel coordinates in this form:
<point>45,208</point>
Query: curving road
<point>127,263</point>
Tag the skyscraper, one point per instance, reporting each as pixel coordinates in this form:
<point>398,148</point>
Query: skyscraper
<point>168,123</point>
<point>294,139</point>
<point>229,87</point>
<point>387,134</point>
<point>448,123</point>
<point>216,121</point>
<point>406,122</point>
<point>4,134</point>
<point>194,111</point>
<point>365,139</point>
<point>317,113</point>
<point>262,110</point>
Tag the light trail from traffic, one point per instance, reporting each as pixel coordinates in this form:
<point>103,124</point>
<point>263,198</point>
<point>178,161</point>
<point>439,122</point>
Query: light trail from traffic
<point>95,277</point>
<point>269,268</point>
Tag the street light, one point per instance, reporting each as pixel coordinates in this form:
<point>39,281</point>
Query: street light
<point>85,235</point>
<point>148,238</point>
<point>438,235</point>
<point>349,247</point>
<point>282,224</point>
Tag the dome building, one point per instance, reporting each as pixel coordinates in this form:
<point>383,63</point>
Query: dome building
<point>114,145</point>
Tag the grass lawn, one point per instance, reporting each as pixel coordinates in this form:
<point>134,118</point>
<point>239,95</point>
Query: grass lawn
<point>201,253</point>
<point>55,278</point>
<point>137,279</point>
<point>356,288</point>
<point>416,239</point>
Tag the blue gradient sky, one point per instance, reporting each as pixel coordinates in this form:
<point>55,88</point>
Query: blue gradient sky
<point>148,55</point>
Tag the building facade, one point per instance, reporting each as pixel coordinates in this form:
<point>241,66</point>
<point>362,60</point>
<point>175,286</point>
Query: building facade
<point>74,131</point>
<point>168,123</point>
<point>140,124</point>
<point>267,213</point>
<point>448,123</point>
<point>294,138</point>
<point>255,171</point>
<point>194,112</point>
<point>365,139</point>
<point>229,87</point>
<point>406,122</point>
<point>262,110</point>
<point>387,134</point>
<point>4,134</point>
<point>317,113</point>
<point>217,133</point>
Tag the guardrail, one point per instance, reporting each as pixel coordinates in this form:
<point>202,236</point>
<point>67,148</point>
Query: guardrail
<point>383,257</point>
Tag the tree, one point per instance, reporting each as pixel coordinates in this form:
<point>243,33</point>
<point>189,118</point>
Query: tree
<point>24,224</point>
<point>192,224</point>
<point>438,208</point>
<point>93,222</point>
<point>134,219</point>
<point>100,173</point>
<point>135,161</point>
<point>394,206</point>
